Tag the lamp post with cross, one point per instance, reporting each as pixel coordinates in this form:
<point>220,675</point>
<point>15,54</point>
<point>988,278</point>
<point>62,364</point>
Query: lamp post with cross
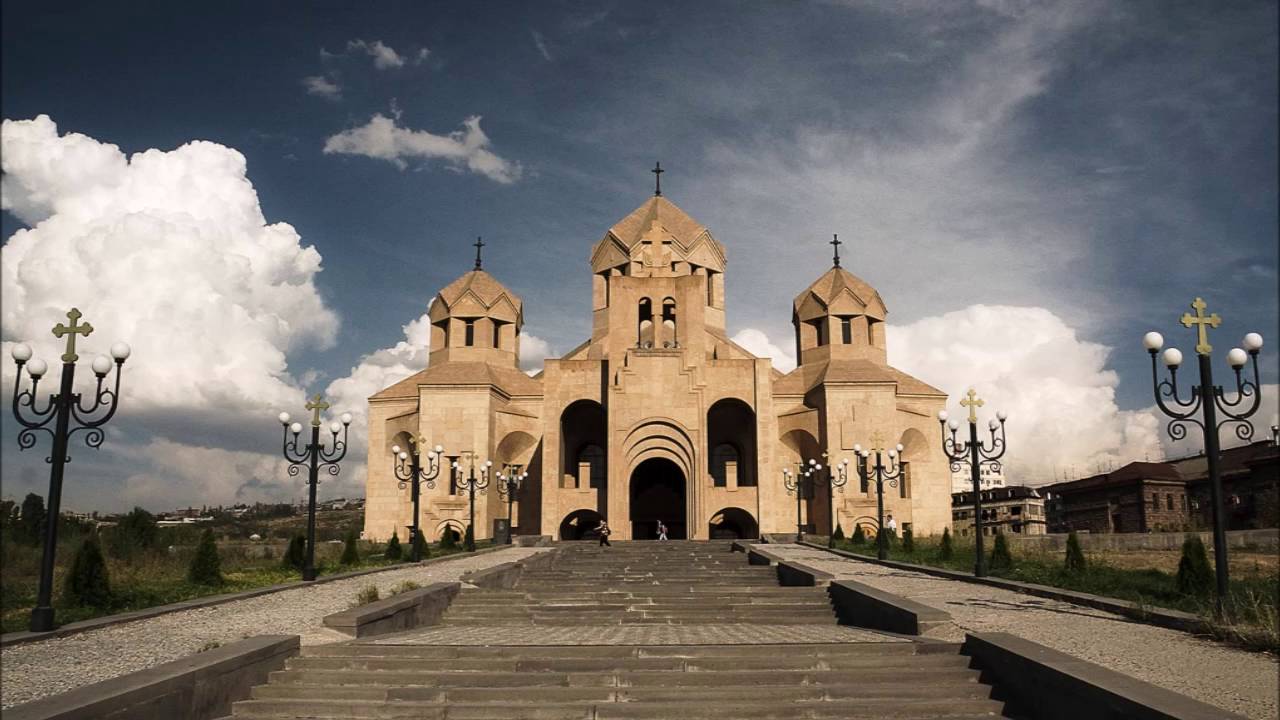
<point>882,474</point>
<point>314,456</point>
<point>409,471</point>
<point>63,408</point>
<point>804,477</point>
<point>510,480</point>
<point>471,483</point>
<point>975,453</point>
<point>1207,400</point>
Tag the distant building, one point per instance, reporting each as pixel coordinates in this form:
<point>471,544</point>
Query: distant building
<point>1015,509</point>
<point>1250,478</point>
<point>962,481</point>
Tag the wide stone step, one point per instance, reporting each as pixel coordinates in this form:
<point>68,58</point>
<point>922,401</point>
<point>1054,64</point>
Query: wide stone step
<point>560,664</point>
<point>875,653</point>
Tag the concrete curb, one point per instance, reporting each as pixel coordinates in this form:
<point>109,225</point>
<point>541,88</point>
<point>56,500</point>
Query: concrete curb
<point>24,636</point>
<point>197,687</point>
<point>1044,683</point>
<point>424,606</point>
<point>861,605</point>
<point>1172,619</point>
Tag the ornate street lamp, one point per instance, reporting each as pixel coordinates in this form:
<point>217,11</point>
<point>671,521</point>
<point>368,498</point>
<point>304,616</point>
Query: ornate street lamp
<point>409,471</point>
<point>63,407</point>
<point>883,475</point>
<point>314,456</point>
<point>1181,412</point>
<point>510,480</point>
<point>471,484</point>
<point>975,453</point>
<point>805,476</point>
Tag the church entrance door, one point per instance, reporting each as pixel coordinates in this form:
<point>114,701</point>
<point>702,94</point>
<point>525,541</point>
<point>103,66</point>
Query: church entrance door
<point>658,493</point>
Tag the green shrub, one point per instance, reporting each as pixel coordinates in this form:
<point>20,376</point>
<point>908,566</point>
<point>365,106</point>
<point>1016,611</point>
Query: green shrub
<point>1194,576</point>
<point>1001,560</point>
<point>393,551</point>
<point>469,540</point>
<point>908,541</point>
<point>136,532</point>
<point>838,533</point>
<point>350,554</point>
<point>945,550</point>
<point>29,526</point>
<point>420,543</point>
<point>1074,562</point>
<point>296,556</point>
<point>87,582</point>
<point>403,587</point>
<point>367,595</point>
<point>859,535</point>
<point>206,566</point>
<point>448,541</point>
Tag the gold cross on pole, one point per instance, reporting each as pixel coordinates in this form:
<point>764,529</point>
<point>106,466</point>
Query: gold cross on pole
<point>83,329</point>
<point>317,404</point>
<point>1202,346</point>
<point>973,403</point>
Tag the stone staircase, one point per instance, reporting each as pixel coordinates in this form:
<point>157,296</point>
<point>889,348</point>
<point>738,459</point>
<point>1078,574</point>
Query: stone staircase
<point>678,587</point>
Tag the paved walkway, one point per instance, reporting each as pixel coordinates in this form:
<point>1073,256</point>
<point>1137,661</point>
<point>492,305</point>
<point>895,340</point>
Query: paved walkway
<point>634,635</point>
<point>46,667</point>
<point>1241,681</point>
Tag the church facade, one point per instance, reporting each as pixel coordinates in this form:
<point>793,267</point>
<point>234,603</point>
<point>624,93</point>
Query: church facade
<point>659,416</point>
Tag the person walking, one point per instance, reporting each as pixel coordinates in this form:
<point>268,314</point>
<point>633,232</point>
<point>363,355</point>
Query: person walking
<point>603,529</point>
<point>891,524</point>
<point>662,531</point>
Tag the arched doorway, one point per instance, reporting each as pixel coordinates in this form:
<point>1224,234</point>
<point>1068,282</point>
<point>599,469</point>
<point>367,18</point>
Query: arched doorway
<point>580,525</point>
<point>732,523</point>
<point>452,528</point>
<point>658,493</point>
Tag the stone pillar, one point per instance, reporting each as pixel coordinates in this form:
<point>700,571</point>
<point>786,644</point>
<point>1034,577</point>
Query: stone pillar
<point>584,476</point>
<point>731,475</point>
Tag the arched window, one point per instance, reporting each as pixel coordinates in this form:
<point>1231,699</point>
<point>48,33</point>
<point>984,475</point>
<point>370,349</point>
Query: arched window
<point>644,334</point>
<point>469,339</point>
<point>669,323</point>
<point>846,330</point>
<point>720,455</point>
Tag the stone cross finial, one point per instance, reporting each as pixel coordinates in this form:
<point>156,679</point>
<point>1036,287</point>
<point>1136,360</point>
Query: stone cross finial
<point>478,244</point>
<point>973,403</point>
<point>1212,321</point>
<point>82,329</point>
<point>657,179</point>
<point>317,404</point>
<point>835,243</point>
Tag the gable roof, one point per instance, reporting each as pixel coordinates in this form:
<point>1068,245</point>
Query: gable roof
<point>509,380</point>
<point>833,284</point>
<point>484,287</point>
<point>690,236</point>
<point>806,377</point>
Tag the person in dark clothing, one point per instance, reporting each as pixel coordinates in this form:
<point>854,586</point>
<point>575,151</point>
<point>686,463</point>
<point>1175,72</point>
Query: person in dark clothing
<point>603,529</point>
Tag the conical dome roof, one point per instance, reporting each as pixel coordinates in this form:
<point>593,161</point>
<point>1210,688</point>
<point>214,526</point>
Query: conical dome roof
<point>658,220</point>
<point>481,288</point>
<point>839,288</point>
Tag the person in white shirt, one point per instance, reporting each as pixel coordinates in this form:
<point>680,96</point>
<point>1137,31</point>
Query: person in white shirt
<point>662,531</point>
<point>891,524</point>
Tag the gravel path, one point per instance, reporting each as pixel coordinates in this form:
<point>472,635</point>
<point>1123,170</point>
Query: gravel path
<point>1243,682</point>
<point>37,669</point>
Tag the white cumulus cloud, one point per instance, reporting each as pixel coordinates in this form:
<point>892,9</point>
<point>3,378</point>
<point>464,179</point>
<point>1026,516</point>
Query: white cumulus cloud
<point>384,56</point>
<point>322,86</point>
<point>465,149</point>
<point>533,350</point>
<point>758,343</point>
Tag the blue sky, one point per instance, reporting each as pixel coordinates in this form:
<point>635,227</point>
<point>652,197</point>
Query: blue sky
<point>1007,174</point>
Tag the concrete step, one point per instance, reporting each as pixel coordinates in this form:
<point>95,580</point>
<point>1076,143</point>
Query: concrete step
<point>878,653</point>
<point>580,664</point>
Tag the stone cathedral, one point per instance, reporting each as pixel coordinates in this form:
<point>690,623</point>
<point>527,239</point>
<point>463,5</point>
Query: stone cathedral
<point>659,415</point>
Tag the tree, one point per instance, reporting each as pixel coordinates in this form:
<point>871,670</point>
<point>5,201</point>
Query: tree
<point>206,566</point>
<point>87,582</point>
<point>137,531</point>
<point>31,521</point>
<point>838,533</point>
<point>1075,562</point>
<point>350,554</point>
<point>1001,559</point>
<point>448,539</point>
<point>1194,576</point>
<point>945,551</point>
<point>424,551</point>
<point>296,556</point>
<point>393,551</point>
<point>859,535</point>
<point>469,540</point>
<point>908,541</point>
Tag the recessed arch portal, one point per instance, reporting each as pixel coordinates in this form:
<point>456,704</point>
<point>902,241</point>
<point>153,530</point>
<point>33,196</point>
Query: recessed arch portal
<point>580,525</point>
<point>450,527</point>
<point>658,492</point>
<point>732,523</point>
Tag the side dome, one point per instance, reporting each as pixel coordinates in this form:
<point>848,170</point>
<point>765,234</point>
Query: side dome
<point>476,318</point>
<point>839,316</point>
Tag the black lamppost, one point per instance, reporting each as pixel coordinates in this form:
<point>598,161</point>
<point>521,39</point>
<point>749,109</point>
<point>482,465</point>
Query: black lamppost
<point>314,456</point>
<point>1172,405</point>
<point>975,453</point>
<point>805,476</point>
<point>509,483</point>
<point>882,474</point>
<point>409,471</point>
<point>837,477</point>
<point>471,484</point>
<point>63,407</point>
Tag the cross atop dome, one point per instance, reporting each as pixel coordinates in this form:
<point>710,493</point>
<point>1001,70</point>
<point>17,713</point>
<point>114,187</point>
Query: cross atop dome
<point>835,243</point>
<point>478,244</point>
<point>657,179</point>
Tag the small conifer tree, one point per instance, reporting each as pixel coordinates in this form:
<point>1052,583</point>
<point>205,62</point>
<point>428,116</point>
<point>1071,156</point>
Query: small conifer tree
<point>838,533</point>
<point>393,551</point>
<point>296,556</point>
<point>859,535</point>
<point>908,541</point>
<point>420,543</point>
<point>945,550</point>
<point>1194,576</point>
<point>350,553</point>
<point>1001,560</point>
<point>448,539</point>
<point>1075,562</point>
<point>469,540</point>
<point>206,566</point>
<point>87,582</point>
